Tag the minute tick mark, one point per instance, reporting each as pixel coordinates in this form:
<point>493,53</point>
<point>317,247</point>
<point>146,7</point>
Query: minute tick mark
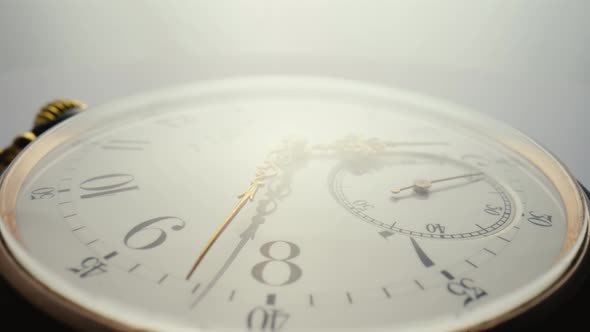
<point>111,255</point>
<point>470,263</point>
<point>349,297</point>
<point>162,279</point>
<point>386,292</point>
<point>134,268</point>
<point>271,299</point>
<point>491,252</point>
<point>419,284</point>
<point>447,274</point>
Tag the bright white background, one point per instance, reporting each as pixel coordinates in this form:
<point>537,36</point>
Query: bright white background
<point>526,63</point>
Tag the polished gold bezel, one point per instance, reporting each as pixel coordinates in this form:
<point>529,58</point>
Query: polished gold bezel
<point>51,302</point>
<point>577,215</point>
<point>81,317</point>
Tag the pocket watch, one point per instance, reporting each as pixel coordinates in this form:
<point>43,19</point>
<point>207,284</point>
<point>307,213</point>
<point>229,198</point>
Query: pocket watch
<point>287,204</point>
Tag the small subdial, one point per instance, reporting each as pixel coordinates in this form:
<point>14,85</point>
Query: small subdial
<point>423,195</point>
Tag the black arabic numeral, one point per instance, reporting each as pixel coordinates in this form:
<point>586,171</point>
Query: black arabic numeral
<point>362,205</point>
<point>90,267</point>
<point>43,193</point>
<point>147,235</point>
<point>263,319</point>
<point>435,228</point>
<point>466,289</point>
<point>295,271</point>
<point>493,210</point>
<point>543,220</point>
<point>107,184</point>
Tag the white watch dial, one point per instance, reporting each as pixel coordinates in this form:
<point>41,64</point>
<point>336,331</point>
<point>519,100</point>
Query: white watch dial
<point>349,206</point>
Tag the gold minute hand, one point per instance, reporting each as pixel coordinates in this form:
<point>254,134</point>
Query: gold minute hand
<point>268,170</point>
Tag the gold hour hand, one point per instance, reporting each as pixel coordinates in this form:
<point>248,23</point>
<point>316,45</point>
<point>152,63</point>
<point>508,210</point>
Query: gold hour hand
<point>422,185</point>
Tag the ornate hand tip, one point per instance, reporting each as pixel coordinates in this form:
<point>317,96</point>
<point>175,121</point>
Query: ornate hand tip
<point>250,193</point>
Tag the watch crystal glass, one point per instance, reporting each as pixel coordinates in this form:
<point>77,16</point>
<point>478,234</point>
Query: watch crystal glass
<point>343,205</point>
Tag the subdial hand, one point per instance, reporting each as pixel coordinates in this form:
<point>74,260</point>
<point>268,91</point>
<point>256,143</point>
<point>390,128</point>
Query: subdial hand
<point>422,185</point>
